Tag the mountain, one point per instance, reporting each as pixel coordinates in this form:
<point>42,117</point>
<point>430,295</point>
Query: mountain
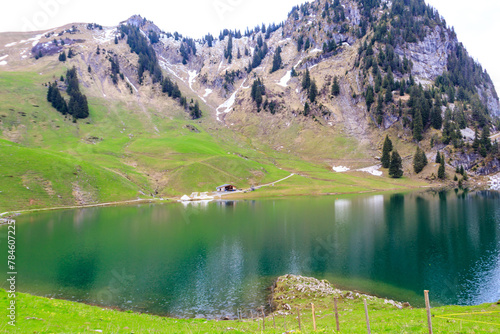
<point>169,115</point>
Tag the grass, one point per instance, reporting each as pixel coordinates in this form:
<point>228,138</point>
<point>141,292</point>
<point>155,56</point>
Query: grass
<point>43,315</point>
<point>130,149</point>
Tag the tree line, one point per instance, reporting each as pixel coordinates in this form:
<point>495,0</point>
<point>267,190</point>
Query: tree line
<point>77,106</point>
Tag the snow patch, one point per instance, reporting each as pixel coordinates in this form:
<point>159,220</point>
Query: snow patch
<point>106,35</point>
<point>192,76</point>
<point>315,50</point>
<point>3,57</point>
<point>131,84</point>
<point>10,44</point>
<point>207,92</point>
<point>284,81</point>
<point>228,105</point>
<point>3,62</point>
<point>373,170</point>
<point>340,169</point>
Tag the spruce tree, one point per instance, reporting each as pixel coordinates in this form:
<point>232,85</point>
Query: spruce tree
<point>396,166</point>
<point>306,81</point>
<point>277,60</point>
<point>442,170</point>
<point>313,91</point>
<point>418,126</point>
<point>436,118</point>
<point>485,138</point>
<point>307,109</point>
<point>335,87</point>
<point>419,160</point>
<point>476,142</point>
<point>369,97</point>
<point>62,56</point>
<point>386,153</point>
<point>116,40</point>
<point>438,158</point>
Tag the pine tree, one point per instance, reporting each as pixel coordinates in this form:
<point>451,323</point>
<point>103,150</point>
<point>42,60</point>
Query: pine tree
<point>438,158</point>
<point>386,153</point>
<point>396,166</point>
<point>313,91</point>
<point>62,56</point>
<point>485,138</point>
<point>277,60</point>
<point>418,126</point>
<point>116,40</point>
<point>475,143</point>
<point>388,95</point>
<point>419,160</point>
<point>335,87</point>
<point>70,53</point>
<point>306,81</point>
<point>369,97</point>
<point>89,69</point>
<point>307,109</point>
<point>442,170</point>
<point>436,118</point>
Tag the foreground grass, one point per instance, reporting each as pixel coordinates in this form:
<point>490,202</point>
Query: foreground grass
<point>42,315</point>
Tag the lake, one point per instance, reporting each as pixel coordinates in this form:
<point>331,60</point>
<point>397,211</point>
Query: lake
<point>211,259</point>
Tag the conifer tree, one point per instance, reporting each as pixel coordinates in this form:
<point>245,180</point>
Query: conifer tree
<point>307,109</point>
<point>475,143</point>
<point>306,81</point>
<point>438,158</point>
<point>369,97</point>
<point>419,160</point>
<point>485,138</point>
<point>313,91</point>
<point>396,166</point>
<point>116,40</point>
<point>442,170</point>
<point>277,60</point>
<point>418,126</point>
<point>335,87</point>
<point>386,153</point>
<point>436,118</point>
<point>62,56</point>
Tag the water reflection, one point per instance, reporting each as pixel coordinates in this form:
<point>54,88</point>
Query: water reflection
<point>211,259</point>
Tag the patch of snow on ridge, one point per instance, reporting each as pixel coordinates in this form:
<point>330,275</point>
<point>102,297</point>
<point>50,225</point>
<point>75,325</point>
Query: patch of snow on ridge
<point>284,81</point>
<point>373,170</point>
<point>10,44</point>
<point>207,92</point>
<point>131,84</point>
<point>3,57</point>
<point>192,76</point>
<point>228,105</point>
<point>340,169</point>
<point>3,62</point>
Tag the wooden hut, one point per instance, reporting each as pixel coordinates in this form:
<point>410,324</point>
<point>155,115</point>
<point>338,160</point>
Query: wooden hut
<point>226,187</point>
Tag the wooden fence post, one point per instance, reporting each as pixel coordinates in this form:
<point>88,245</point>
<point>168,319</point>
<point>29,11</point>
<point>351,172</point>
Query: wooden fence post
<point>298,315</point>
<point>336,314</point>
<point>367,318</point>
<point>274,322</point>
<point>284,321</point>
<point>428,307</point>
<point>314,316</point>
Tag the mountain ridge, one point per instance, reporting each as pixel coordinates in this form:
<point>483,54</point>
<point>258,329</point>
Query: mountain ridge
<point>267,106</point>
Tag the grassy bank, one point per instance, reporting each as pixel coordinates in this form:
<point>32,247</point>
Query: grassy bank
<point>42,315</point>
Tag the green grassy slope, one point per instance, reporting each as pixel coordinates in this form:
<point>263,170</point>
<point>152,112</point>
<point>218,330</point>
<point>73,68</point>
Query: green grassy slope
<point>43,315</point>
<point>130,148</point>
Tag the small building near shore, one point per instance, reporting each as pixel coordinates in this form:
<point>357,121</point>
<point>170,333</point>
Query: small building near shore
<point>226,187</point>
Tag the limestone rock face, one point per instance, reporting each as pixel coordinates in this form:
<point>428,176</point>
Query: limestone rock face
<point>429,57</point>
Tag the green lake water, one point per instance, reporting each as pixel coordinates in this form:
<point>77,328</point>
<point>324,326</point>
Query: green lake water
<point>211,259</point>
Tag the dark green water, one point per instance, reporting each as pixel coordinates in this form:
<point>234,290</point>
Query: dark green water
<point>209,260</point>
